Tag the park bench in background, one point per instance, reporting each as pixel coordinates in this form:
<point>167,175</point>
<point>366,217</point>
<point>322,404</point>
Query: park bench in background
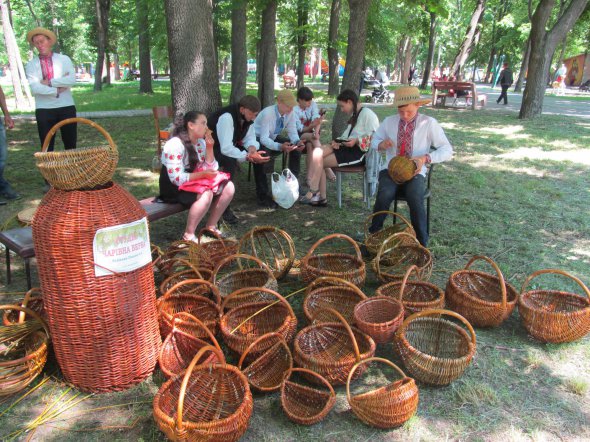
<point>441,90</point>
<point>288,82</point>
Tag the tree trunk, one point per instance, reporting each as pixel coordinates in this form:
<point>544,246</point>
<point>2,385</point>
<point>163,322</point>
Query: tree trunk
<point>397,65</point>
<point>302,20</point>
<point>333,65</point>
<point>102,17</point>
<point>37,21</point>
<point>523,67</point>
<point>357,37</point>
<point>430,57</point>
<point>405,60</point>
<point>544,42</point>
<point>268,54</point>
<point>193,63</point>
<point>143,29</point>
<point>107,63</point>
<point>470,35</point>
<point>408,60</point>
<point>488,76</point>
<point>239,53</point>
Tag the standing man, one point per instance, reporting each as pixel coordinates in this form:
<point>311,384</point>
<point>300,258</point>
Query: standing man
<point>51,77</point>
<point>6,191</point>
<point>505,81</point>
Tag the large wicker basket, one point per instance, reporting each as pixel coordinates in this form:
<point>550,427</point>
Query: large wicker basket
<point>555,315</point>
<point>210,254</point>
<point>388,406</point>
<point>81,168</point>
<point>242,277</point>
<point>183,275</point>
<point>397,254</point>
<point>341,265</point>
<point>304,404</point>
<point>434,350</point>
<point>374,240</point>
<point>342,297</point>
<point>484,300</point>
<point>272,246</point>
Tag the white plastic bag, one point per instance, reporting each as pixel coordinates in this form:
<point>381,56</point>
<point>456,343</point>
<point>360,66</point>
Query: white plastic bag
<point>285,188</point>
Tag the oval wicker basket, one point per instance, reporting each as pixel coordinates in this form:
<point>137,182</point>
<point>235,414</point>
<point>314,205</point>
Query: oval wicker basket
<point>272,246</point>
<point>81,168</point>
<point>374,240</point>
<point>388,406</point>
<point>183,275</point>
<point>483,299</point>
<point>303,404</point>
<point>186,408</point>
<point>397,253</point>
<point>342,297</point>
<point>341,265</point>
<point>332,348</point>
<point>243,277</point>
<point>434,350</point>
<point>33,301</point>
<point>554,315</point>
<point>210,254</point>
<point>379,317</point>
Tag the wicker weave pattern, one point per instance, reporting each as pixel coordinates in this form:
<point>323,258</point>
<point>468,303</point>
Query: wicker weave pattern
<point>183,275</point>
<point>228,283</point>
<point>379,317</point>
<point>303,404</point>
<point>272,246</point>
<point>373,241</point>
<point>210,254</point>
<point>397,254</point>
<point>342,297</point>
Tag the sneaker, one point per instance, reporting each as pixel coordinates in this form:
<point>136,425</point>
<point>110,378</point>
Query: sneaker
<point>230,217</point>
<point>10,194</point>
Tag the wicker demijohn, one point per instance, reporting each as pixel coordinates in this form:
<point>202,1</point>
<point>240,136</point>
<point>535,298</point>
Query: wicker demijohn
<point>414,295</point>
<point>211,402</point>
<point>332,348</point>
<point>434,350</point>
<point>484,300</point>
<point>342,297</point>
<point>272,246</point>
<point>210,254</point>
<point>388,406</point>
<point>374,240</point>
<point>104,328</point>
<point>81,168</point>
<point>397,254</point>
<point>554,315</point>
<point>379,317</point>
<point>341,265</point>
<point>304,404</point>
<point>242,277</point>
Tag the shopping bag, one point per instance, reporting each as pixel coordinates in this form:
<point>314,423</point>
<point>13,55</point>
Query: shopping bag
<point>285,188</point>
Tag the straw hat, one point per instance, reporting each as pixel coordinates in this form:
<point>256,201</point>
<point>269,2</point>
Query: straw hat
<point>407,95</point>
<point>286,97</point>
<point>41,31</point>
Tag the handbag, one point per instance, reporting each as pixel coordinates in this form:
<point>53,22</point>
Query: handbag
<point>285,188</point>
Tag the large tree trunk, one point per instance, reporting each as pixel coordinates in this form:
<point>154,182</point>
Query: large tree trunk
<point>102,17</point>
<point>268,54</point>
<point>398,63</point>
<point>523,67</point>
<point>333,67</point>
<point>107,63</point>
<point>193,63</point>
<point>430,57</point>
<point>469,39</point>
<point>488,76</point>
<point>145,67</point>
<point>117,67</point>
<point>544,42</point>
<point>357,37</point>
<point>239,53</point>
<point>302,19</point>
<point>408,61</point>
<point>405,63</point>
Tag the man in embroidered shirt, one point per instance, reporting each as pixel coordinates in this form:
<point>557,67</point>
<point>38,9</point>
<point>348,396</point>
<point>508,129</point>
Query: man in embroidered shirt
<point>269,125</point>
<point>412,135</point>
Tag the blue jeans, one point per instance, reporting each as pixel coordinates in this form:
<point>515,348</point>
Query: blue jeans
<point>414,193</point>
<point>4,185</point>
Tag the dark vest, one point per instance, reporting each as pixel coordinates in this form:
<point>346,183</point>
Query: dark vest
<point>240,130</point>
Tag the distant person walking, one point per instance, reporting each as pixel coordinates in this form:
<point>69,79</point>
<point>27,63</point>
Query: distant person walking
<point>505,82</point>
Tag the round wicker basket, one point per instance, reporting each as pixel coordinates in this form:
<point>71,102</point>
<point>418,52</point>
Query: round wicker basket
<point>304,404</point>
<point>272,246</point>
<point>374,240</point>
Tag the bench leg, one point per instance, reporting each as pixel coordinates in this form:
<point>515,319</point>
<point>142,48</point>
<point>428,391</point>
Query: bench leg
<point>8,275</point>
<point>28,272</point>
<point>339,188</point>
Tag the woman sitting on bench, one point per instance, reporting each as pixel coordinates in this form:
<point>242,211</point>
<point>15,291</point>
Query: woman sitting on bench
<point>190,175</point>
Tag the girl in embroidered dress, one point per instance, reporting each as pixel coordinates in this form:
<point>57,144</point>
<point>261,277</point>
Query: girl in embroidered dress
<point>190,175</point>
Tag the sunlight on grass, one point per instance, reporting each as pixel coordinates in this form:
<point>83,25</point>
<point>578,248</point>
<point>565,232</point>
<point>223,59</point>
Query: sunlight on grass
<point>577,386</point>
<point>503,130</point>
<point>489,162</point>
<point>580,156</point>
<point>135,173</point>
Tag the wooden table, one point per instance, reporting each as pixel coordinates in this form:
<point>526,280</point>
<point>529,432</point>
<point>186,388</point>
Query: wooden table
<point>443,89</point>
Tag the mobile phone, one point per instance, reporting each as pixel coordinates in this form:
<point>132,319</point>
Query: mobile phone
<point>341,140</point>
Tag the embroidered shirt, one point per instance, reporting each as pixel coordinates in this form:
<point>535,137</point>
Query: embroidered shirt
<point>175,158</point>
<point>405,136</point>
<point>64,75</point>
<point>366,123</point>
<point>303,117</point>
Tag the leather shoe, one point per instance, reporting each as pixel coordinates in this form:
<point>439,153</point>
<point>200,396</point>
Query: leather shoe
<point>268,202</point>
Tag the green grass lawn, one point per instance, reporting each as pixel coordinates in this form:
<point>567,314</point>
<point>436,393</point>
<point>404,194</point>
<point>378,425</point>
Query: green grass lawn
<point>516,191</point>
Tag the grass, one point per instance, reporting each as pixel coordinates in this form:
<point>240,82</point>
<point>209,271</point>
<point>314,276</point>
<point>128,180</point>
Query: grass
<point>516,191</point>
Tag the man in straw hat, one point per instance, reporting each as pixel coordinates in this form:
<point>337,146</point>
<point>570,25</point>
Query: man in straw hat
<point>51,77</point>
<point>409,134</point>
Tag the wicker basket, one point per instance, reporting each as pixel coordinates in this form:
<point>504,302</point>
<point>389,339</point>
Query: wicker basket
<point>342,297</point>
<point>379,317</point>
<point>244,324</point>
<point>484,300</point>
<point>22,361</point>
<point>414,295</point>
<point>553,315</point>
<point>332,348</point>
<point>227,283</point>
<point>272,246</point>
<point>373,241</point>
<point>25,217</point>
<point>397,253</point>
<point>266,370</point>
<point>183,342</point>
<point>33,301</point>
<point>341,265</point>
<point>78,169</point>
<point>388,406</point>
<point>187,408</point>
<point>210,254</point>
<point>172,266</point>
<point>434,350</point>
<point>303,404</point>
<point>183,275</point>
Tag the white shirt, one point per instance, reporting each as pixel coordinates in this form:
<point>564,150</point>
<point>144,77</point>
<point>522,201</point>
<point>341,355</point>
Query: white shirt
<point>64,75</point>
<point>367,122</point>
<point>266,122</point>
<point>303,116</point>
<point>225,135</point>
<point>427,134</point>
<point>175,158</point>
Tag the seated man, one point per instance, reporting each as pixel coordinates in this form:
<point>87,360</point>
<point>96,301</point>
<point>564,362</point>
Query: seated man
<point>412,135</point>
<point>269,125</point>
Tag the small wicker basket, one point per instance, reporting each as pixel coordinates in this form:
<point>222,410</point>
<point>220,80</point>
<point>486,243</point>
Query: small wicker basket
<point>379,317</point>
<point>227,283</point>
<point>210,254</point>
<point>373,241</point>
<point>397,253</point>
<point>343,296</point>
<point>272,246</point>
<point>303,404</point>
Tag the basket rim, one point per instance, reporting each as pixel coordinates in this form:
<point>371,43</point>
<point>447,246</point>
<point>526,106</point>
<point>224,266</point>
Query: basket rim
<point>511,292</point>
<point>524,302</point>
<point>332,394</point>
<point>386,299</point>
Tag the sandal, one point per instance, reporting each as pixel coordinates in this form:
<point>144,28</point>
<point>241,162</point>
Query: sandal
<point>214,232</point>
<point>191,238</point>
<point>315,196</point>
<point>320,202</point>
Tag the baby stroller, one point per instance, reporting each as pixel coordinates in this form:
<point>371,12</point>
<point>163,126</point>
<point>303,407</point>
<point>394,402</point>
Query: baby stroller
<point>379,95</point>
<point>585,87</point>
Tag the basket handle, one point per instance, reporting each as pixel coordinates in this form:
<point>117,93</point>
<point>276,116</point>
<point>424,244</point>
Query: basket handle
<point>373,359</point>
<point>322,379</point>
<point>281,341</point>
<point>171,261</point>
<point>28,311</point>
<point>556,272</point>
<point>258,289</point>
<point>229,258</point>
<point>383,248</point>
<point>187,375</point>
<point>215,234</point>
<point>26,299</point>
<point>341,319</point>
<point>335,281</point>
<point>437,311</point>
<point>90,123</point>
<point>336,236</point>
<point>498,272</point>
<point>212,287</point>
<point>249,236</point>
<point>177,317</point>
<point>384,212</point>
<point>412,268</point>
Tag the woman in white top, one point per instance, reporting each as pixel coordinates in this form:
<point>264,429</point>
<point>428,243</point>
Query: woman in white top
<point>190,175</point>
<point>348,150</point>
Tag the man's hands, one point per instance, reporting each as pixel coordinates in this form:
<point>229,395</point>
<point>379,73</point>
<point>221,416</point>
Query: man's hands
<point>257,157</point>
<point>385,144</point>
<point>8,122</point>
<point>288,147</point>
<point>419,162</point>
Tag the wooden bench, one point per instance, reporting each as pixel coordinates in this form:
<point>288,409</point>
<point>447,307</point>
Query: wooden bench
<point>20,240</point>
<point>448,89</point>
